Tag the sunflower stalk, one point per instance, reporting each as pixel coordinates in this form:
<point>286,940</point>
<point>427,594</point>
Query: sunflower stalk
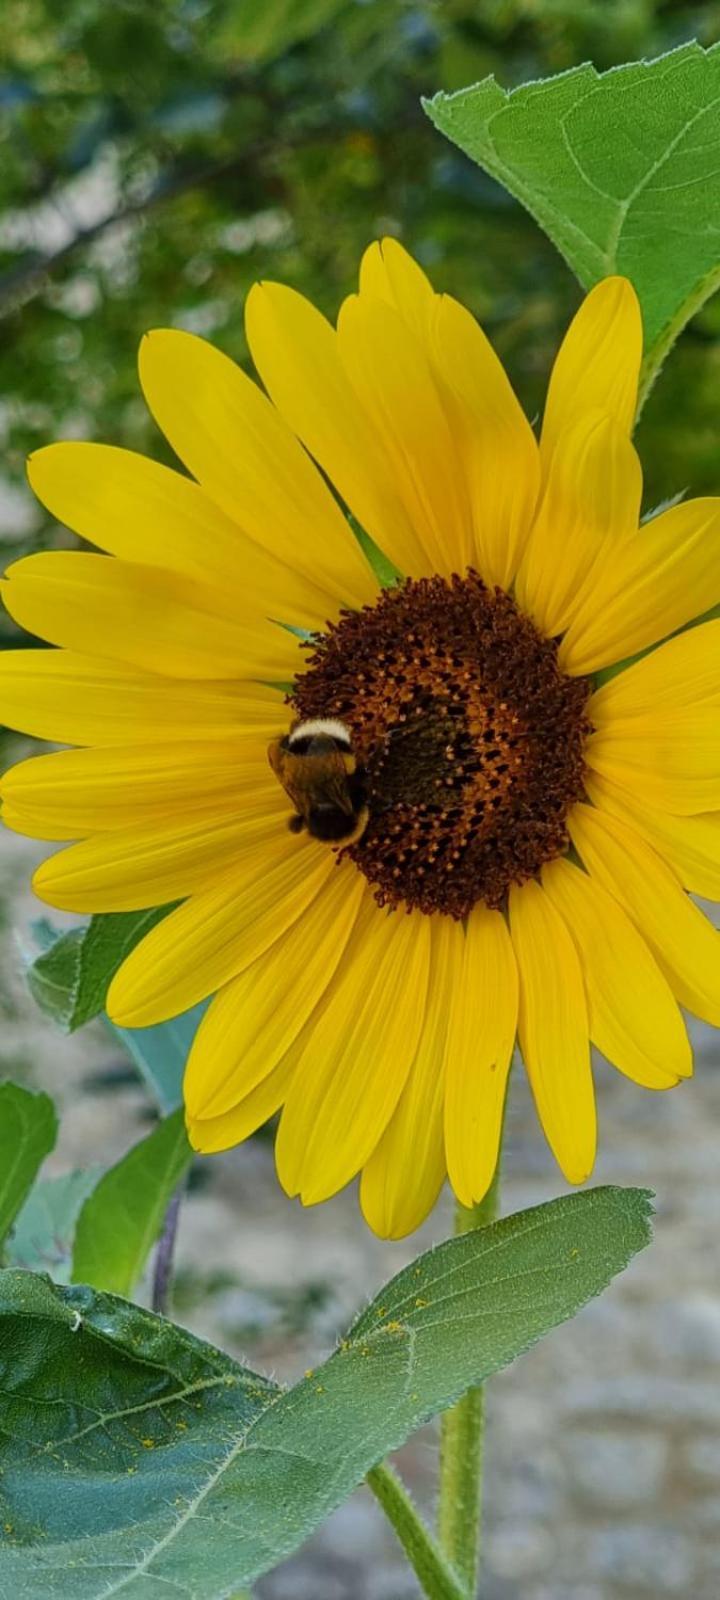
<point>447,1567</point>
<point>462,1444</point>
<point>165,1255</point>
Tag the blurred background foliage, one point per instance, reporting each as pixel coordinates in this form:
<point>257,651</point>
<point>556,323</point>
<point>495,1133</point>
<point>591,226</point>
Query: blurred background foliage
<point>158,157</point>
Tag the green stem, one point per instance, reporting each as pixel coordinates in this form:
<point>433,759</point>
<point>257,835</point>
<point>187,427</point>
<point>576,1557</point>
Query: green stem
<point>462,1441</point>
<point>435,1576</point>
<point>655,356</point>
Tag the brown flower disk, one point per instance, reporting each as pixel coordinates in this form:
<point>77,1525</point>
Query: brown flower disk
<point>471,737</point>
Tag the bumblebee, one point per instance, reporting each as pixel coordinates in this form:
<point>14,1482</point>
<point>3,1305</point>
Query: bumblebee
<point>318,770</point>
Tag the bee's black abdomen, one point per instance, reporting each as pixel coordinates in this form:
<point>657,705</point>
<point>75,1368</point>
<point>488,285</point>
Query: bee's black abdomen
<point>329,822</point>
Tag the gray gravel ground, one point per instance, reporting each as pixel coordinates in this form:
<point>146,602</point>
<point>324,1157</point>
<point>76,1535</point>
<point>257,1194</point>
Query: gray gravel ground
<point>604,1441</point>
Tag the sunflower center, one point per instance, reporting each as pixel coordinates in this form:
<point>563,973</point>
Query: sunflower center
<point>470,735</point>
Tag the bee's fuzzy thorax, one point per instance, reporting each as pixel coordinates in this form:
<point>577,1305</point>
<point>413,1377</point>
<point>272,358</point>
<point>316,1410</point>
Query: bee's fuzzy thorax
<point>330,727</point>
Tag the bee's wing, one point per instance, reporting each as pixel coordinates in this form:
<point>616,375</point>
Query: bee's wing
<point>275,757</point>
<point>311,782</point>
<point>324,781</point>
<point>333,789</point>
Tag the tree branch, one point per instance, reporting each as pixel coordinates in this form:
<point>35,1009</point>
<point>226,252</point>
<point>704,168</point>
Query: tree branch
<point>28,277</point>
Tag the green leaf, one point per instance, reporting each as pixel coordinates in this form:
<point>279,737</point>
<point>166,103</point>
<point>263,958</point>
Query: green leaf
<point>160,1053</point>
<point>121,1219</point>
<point>158,1465</point>
<point>70,979</point>
<point>116,1424</point>
<point>259,32</point>
<point>42,1238</point>
<point>620,168</point>
<point>28,1130</point>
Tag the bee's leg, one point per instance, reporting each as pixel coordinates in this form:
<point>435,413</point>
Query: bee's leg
<point>296,823</point>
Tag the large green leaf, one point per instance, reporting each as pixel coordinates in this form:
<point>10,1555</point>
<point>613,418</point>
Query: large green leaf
<point>28,1130</point>
<point>71,978</point>
<point>620,168</point>
<point>121,1219</point>
<point>137,1460</point>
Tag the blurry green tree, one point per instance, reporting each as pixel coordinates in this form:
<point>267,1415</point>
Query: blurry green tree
<point>157,158</point>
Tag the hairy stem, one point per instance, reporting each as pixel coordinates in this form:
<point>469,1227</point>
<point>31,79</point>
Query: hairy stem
<point>462,1442</point>
<point>655,356</point>
<point>433,1572</point>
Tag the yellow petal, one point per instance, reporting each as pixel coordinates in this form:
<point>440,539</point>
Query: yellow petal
<point>207,1135</point>
<point>590,506</point>
<point>354,1065</point>
<point>671,759</point>
<point>296,353</point>
<point>221,930</point>
<point>634,1019</point>
<point>254,1020</point>
<point>80,699</point>
<point>682,672</point>
<point>685,944</point>
<point>388,272</point>
<point>155,620</point>
<point>494,440</point>
<point>130,869</point>
<point>146,513</point>
<point>656,583</point>
<point>35,824</point>
<point>553,1029</point>
<point>389,371</point>
<point>598,363</point>
<point>492,437</point>
<point>403,1177</point>
<point>481,1037</point>
<point>89,791</point>
<point>233,441</point>
<point>690,845</point>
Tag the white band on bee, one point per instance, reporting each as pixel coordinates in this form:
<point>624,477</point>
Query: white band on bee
<point>327,726</point>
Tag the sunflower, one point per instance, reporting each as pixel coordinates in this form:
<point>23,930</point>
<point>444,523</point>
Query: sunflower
<point>532,822</point>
